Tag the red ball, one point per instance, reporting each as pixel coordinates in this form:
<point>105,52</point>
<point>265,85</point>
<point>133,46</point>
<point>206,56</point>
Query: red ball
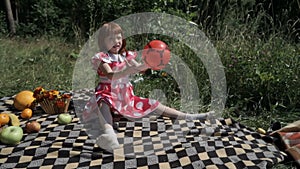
<point>156,54</point>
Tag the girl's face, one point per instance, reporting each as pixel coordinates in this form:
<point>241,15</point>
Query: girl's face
<point>113,43</point>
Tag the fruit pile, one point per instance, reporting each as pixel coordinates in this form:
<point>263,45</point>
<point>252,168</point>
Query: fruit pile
<point>52,102</point>
<point>11,130</point>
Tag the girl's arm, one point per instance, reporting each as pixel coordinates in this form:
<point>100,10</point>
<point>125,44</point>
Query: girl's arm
<point>131,68</point>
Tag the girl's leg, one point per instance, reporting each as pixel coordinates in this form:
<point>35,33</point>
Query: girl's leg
<point>105,116</point>
<point>170,112</point>
<point>173,113</point>
<point>108,140</point>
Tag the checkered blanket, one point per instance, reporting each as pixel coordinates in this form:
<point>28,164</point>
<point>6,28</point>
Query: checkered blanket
<point>146,143</point>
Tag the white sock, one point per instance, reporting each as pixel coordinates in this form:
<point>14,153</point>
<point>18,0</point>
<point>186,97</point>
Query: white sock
<point>201,116</point>
<point>108,140</point>
<point>211,115</point>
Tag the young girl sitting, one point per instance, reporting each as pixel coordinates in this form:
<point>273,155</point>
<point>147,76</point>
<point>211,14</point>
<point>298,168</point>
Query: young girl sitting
<point>114,92</point>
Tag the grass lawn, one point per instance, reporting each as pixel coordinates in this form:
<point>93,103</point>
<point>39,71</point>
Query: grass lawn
<point>26,64</point>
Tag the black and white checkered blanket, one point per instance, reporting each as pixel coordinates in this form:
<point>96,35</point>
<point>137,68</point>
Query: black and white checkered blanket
<point>145,143</point>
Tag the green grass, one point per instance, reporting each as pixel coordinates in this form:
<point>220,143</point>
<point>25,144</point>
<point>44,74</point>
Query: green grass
<point>28,63</point>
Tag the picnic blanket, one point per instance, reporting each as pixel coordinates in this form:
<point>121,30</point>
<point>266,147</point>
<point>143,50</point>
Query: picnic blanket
<point>145,143</point>
<point>289,140</point>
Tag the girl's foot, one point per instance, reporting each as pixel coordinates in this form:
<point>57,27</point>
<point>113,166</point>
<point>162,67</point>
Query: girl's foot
<point>202,116</point>
<point>108,140</point>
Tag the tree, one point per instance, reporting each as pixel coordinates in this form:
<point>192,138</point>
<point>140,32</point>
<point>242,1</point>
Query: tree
<point>10,17</point>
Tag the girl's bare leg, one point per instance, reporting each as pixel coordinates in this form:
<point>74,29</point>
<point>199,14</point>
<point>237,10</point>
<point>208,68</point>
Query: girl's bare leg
<point>108,140</point>
<point>105,116</point>
<point>169,112</point>
<point>173,113</point>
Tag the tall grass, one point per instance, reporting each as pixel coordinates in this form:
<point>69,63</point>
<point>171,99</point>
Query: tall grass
<point>262,71</point>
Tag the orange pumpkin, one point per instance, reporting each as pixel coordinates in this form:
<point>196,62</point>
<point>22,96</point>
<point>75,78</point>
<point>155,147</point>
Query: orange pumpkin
<point>23,100</point>
<point>4,119</point>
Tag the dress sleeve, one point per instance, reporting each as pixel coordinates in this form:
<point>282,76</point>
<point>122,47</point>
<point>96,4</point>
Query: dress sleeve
<point>98,58</point>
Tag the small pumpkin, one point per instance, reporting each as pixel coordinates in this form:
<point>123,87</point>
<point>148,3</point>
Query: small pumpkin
<point>23,100</point>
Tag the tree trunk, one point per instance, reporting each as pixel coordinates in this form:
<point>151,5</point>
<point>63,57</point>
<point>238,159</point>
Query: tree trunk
<point>10,17</point>
<point>16,7</point>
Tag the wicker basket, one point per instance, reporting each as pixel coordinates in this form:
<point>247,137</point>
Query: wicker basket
<point>50,106</point>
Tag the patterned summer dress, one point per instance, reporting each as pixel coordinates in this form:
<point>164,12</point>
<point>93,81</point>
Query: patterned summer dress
<point>118,94</point>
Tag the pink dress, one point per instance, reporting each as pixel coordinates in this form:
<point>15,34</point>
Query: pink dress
<point>118,93</point>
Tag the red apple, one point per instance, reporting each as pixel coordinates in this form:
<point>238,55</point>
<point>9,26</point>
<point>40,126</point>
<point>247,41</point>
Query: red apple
<point>32,127</point>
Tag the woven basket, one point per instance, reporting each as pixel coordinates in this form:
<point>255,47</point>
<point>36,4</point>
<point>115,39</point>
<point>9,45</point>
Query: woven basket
<point>50,106</point>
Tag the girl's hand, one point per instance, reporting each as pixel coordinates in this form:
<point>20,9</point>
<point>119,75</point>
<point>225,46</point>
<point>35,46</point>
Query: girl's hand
<point>139,68</point>
<point>133,64</point>
<point>144,67</point>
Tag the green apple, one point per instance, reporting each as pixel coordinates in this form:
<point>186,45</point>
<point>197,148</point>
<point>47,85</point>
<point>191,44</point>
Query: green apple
<point>11,135</point>
<point>64,118</point>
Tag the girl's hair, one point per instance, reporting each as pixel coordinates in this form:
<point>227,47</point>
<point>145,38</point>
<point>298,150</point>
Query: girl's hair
<point>106,30</point>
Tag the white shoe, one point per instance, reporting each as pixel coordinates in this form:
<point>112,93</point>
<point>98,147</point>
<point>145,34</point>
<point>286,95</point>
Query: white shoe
<point>108,141</point>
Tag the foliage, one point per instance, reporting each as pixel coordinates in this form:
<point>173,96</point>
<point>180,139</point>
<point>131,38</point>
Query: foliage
<point>81,18</point>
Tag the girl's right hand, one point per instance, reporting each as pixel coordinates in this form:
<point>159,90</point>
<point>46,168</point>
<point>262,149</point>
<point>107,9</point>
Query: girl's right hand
<point>144,67</point>
<point>137,69</point>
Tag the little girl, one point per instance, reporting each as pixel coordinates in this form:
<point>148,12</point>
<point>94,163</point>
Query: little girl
<point>114,92</point>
